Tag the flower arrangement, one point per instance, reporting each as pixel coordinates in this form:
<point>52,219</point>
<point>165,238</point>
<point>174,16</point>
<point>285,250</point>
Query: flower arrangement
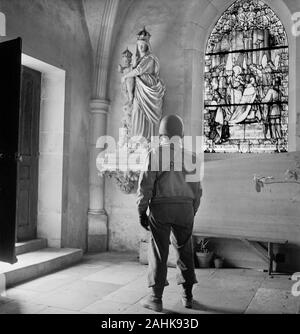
<point>203,255</point>
<point>201,246</point>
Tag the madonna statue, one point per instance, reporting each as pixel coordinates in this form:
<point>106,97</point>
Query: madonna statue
<point>148,92</point>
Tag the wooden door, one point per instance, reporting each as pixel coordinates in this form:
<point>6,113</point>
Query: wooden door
<point>27,190</point>
<point>10,77</point>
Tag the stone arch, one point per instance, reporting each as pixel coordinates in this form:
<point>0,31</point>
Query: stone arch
<point>201,17</point>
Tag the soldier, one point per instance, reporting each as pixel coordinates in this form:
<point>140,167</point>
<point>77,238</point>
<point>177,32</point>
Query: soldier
<point>171,189</point>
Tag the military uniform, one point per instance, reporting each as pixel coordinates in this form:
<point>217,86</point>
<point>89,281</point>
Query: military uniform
<point>173,200</point>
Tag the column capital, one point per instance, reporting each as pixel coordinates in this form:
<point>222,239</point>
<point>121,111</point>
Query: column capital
<point>99,106</point>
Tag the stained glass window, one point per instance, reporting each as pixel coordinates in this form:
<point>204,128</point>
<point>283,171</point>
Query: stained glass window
<point>246,81</point>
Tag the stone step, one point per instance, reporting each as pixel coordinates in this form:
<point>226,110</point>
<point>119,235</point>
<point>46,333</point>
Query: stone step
<point>30,246</point>
<point>38,263</point>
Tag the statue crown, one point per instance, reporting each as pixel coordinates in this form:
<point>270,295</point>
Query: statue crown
<point>127,53</point>
<point>144,35</point>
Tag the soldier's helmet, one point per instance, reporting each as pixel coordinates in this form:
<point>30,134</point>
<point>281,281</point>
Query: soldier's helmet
<point>170,126</point>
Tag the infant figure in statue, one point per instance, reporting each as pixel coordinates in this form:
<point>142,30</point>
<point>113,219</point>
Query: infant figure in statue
<point>128,93</point>
<point>129,83</point>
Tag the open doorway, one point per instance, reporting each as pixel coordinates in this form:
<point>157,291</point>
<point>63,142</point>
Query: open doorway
<point>50,154</point>
<point>28,158</point>
<point>31,200</point>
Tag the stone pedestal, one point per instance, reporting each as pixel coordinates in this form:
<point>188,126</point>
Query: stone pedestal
<point>97,232</point>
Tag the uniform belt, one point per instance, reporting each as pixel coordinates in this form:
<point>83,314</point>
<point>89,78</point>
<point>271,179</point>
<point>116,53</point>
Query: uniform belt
<point>171,200</point>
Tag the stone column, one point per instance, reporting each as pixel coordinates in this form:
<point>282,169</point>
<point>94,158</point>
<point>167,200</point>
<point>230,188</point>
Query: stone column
<point>97,217</point>
<point>101,18</point>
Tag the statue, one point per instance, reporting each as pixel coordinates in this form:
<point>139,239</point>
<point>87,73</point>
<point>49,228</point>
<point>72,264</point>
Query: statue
<point>128,93</point>
<point>149,90</point>
<point>143,93</point>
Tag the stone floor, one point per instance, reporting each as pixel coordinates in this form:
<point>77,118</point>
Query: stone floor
<point>115,283</point>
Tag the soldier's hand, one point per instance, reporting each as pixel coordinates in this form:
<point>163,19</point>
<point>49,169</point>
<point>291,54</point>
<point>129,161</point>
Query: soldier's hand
<point>144,221</point>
